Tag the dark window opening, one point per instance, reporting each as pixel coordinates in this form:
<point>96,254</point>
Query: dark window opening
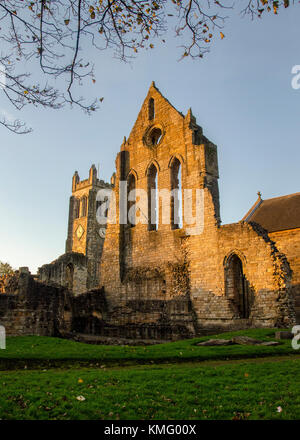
<point>155,136</point>
<point>102,207</point>
<point>151,109</point>
<point>77,208</point>
<point>83,206</point>
<point>152,198</point>
<point>176,198</point>
<point>131,211</point>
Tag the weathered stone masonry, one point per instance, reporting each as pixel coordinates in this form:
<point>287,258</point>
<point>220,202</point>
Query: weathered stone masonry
<point>78,268</point>
<point>161,280</point>
<point>34,308</point>
<point>142,259</point>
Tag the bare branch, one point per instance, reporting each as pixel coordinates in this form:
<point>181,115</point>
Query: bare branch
<point>47,34</point>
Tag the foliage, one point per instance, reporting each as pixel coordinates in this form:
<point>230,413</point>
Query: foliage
<point>140,274</point>
<point>51,36</point>
<point>6,273</point>
<point>5,269</point>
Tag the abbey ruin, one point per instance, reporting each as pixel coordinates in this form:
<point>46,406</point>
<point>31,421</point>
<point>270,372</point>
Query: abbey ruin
<point>140,277</point>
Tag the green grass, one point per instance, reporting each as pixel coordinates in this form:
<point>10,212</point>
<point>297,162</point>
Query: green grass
<point>38,351</point>
<point>186,391</point>
<point>48,374</point>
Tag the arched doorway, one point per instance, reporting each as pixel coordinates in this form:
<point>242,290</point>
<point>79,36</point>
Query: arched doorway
<point>69,276</point>
<point>237,289</point>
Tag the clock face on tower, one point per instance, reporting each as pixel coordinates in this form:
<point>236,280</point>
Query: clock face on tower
<point>79,232</point>
<point>102,232</point>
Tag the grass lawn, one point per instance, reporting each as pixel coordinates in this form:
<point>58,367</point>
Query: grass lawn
<point>38,351</point>
<point>52,378</point>
<point>186,391</point>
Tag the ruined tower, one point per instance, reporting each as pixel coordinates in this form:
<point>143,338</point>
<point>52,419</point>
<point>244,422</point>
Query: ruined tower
<point>85,235</point>
<point>78,268</point>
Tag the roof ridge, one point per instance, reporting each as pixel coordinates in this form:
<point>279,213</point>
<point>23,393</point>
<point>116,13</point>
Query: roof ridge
<point>252,210</point>
<point>277,213</point>
<point>282,197</point>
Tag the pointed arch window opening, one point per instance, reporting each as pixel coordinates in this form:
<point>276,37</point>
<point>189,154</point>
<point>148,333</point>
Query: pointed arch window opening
<point>101,207</point>
<point>153,202</point>
<point>151,109</point>
<point>83,207</point>
<point>77,208</point>
<point>131,211</point>
<point>176,198</point>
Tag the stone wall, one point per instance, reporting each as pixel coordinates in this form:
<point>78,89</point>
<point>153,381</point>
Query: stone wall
<point>164,281</point>
<point>132,319</point>
<point>288,242</point>
<point>140,263</point>
<point>126,249</point>
<point>266,276</point>
<point>69,270</point>
<point>35,309</point>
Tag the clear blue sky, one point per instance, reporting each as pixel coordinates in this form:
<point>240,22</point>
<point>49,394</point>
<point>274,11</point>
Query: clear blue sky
<point>240,93</point>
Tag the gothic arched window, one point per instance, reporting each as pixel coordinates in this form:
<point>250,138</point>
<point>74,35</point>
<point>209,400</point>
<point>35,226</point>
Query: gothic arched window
<point>176,197</point>
<point>131,185</point>
<point>151,109</point>
<point>152,198</point>
<point>76,208</point>
<point>83,206</point>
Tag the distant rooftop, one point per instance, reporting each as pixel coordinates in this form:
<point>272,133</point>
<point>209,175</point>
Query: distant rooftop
<point>276,214</point>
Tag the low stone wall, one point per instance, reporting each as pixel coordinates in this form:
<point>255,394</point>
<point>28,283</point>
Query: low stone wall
<point>132,319</point>
<point>34,309</point>
<point>69,270</point>
<point>39,309</point>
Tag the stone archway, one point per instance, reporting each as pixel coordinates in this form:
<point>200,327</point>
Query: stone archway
<point>237,286</point>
